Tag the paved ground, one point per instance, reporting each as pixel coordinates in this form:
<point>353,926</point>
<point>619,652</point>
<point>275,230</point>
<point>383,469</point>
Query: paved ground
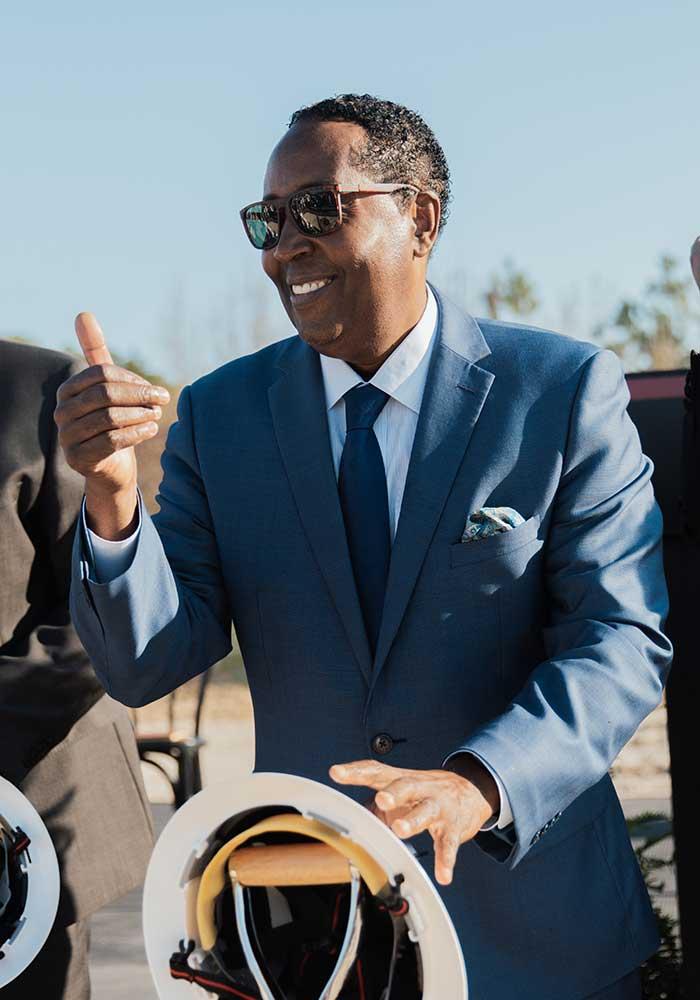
<point>118,966</point>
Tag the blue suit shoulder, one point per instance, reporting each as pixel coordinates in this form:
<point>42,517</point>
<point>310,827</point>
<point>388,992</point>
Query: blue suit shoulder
<point>526,358</point>
<point>532,353</point>
<point>243,380</point>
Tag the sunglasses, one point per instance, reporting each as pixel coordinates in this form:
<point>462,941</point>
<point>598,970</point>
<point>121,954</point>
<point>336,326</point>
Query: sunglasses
<point>315,211</point>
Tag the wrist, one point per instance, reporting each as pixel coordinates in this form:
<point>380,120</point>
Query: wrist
<point>111,513</point>
<point>469,767</point>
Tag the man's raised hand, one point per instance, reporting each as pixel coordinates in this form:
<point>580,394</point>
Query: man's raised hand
<point>101,413</point>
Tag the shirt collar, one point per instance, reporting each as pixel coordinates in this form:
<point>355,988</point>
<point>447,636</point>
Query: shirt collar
<point>403,374</point>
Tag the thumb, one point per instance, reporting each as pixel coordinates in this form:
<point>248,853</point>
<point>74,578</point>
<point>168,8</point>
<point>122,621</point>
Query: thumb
<point>92,340</point>
<point>695,260</point>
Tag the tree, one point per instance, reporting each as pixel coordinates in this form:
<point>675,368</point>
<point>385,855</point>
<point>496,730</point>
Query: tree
<point>658,330</point>
<point>512,289</point>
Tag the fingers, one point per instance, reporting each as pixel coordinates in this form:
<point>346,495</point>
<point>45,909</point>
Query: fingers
<point>695,261</point>
<point>107,374</point>
<point>104,410</point>
<point>97,396</point>
<point>369,773</point>
<point>101,421</point>
<point>92,340</point>
<point>446,847</point>
<point>402,792</point>
<point>417,819</point>
<point>96,449</point>
<point>427,801</point>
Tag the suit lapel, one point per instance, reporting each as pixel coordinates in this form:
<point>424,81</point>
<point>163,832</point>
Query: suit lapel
<point>455,392</point>
<point>298,407</point>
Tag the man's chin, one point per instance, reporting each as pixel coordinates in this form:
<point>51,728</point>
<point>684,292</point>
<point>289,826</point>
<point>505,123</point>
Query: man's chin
<point>324,339</point>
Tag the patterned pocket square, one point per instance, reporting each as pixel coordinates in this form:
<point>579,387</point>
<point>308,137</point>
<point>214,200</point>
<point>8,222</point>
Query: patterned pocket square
<point>488,521</point>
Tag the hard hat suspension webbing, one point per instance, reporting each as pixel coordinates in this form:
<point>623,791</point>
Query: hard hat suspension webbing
<point>324,858</point>
<point>224,984</point>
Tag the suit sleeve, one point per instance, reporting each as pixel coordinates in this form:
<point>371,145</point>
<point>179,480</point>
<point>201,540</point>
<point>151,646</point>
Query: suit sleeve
<point>607,658</point>
<point>46,680</point>
<point>166,618</point>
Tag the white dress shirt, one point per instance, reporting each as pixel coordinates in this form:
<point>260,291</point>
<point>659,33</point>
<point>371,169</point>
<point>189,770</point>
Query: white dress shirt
<point>402,377</point>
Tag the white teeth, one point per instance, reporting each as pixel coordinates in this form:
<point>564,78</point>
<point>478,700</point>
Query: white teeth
<point>310,286</point>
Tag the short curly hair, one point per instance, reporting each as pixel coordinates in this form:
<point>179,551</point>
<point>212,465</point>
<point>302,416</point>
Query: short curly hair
<point>400,146</point>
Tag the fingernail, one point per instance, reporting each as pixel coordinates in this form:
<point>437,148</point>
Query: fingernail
<point>151,428</point>
<point>157,412</point>
<point>385,800</point>
<point>162,394</point>
<point>339,771</point>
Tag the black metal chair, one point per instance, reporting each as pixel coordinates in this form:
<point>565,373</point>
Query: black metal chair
<point>183,748</point>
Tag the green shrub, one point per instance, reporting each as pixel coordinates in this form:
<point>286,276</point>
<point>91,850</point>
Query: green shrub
<point>661,973</point>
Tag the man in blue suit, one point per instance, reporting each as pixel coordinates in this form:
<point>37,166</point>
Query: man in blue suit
<point>316,494</point>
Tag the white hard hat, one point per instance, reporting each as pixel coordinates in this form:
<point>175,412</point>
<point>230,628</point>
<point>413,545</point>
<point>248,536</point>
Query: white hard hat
<point>29,883</point>
<point>275,887</point>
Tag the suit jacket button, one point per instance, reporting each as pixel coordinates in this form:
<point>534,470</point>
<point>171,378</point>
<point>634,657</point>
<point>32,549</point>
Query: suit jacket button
<point>382,744</point>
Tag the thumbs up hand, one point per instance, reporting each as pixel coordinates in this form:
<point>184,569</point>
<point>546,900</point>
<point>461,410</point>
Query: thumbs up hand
<point>695,261</point>
<point>101,414</point>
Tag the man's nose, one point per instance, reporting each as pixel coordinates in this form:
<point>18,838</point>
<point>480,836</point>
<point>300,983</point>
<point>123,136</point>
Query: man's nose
<point>291,243</point>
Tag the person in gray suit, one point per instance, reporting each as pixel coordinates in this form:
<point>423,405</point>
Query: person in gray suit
<point>437,540</point>
<point>69,747</point>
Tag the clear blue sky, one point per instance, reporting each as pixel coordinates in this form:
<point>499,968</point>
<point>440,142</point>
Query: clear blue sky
<point>131,133</point>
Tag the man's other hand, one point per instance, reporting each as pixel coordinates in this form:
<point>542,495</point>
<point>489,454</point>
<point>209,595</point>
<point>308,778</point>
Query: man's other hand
<point>101,413</point>
<point>452,807</point>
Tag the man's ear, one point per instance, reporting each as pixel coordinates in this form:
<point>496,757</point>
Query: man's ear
<point>425,209</point>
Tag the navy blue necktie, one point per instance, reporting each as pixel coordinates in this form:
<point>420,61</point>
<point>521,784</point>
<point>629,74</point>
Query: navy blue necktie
<point>365,503</point>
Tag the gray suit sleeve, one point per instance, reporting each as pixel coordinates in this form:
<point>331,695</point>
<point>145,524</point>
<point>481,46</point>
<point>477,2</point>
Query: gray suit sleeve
<point>166,619</point>
<point>46,680</point>
<point>607,658</point>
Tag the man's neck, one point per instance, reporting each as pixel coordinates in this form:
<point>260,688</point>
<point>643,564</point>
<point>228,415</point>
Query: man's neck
<point>367,371</point>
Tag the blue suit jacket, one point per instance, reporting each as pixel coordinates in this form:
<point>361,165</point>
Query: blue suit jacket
<point>540,648</point>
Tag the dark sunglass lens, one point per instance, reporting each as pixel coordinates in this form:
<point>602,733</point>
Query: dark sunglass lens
<point>315,212</point>
<point>262,223</point>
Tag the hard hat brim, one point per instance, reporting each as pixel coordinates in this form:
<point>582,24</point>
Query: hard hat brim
<point>43,885</point>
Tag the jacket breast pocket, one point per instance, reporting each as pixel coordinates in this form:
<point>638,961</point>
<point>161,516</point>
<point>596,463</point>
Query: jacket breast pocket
<point>500,544</point>
<point>488,565</point>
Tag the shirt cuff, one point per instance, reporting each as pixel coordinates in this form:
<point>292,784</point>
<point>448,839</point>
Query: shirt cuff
<point>504,815</point>
<point>110,559</point>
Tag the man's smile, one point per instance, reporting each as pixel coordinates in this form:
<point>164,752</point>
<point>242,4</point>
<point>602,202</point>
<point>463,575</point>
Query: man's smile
<point>310,290</point>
